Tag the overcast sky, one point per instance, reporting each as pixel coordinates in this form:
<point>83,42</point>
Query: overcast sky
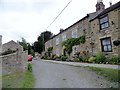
<point>28,18</point>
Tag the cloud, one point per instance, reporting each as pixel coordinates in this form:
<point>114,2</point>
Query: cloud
<point>28,18</point>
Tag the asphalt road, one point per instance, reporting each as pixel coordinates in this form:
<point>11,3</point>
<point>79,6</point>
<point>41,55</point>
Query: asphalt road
<point>52,75</point>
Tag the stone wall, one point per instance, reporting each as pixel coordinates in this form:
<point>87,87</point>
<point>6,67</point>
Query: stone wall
<point>14,62</point>
<point>0,44</point>
<point>0,62</point>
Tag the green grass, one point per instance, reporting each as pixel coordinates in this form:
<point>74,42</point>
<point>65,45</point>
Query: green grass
<point>28,81</point>
<point>109,74</point>
<point>12,80</point>
<point>19,79</point>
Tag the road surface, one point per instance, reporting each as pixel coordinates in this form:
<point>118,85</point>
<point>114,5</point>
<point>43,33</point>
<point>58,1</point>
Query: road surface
<point>52,75</point>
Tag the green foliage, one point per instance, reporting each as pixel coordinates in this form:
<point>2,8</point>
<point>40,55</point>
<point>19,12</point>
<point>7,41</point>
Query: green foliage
<point>30,67</point>
<point>32,53</point>
<point>110,74</point>
<point>50,49</point>
<point>76,59</point>
<point>100,58</point>
<point>92,59</point>
<point>114,60</point>
<point>83,58</point>
<point>63,58</point>
<point>28,81</point>
<point>24,44</point>
<point>9,51</point>
<point>39,45</point>
<point>27,46</point>
<point>54,56</point>
<point>82,39</point>
<point>69,43</point>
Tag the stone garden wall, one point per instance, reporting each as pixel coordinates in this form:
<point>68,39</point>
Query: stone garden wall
<point>14,62</point>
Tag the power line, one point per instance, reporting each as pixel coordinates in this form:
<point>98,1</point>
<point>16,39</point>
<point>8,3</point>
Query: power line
<point>59,14</point>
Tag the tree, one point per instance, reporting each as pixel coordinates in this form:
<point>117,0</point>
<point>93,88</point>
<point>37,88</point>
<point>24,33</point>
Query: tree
<point>39,45</point>
<point>26,46</point>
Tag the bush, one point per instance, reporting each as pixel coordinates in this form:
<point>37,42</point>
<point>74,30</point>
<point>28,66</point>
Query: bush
<point>30,67</point>
<point>76,59</point>
<point>100,58</point>
<point>81,59</point>
<point>92,59</point>
<point>63,58</point>
<point>53,56</point>
<point>114,60</point>
<point>44,57</point>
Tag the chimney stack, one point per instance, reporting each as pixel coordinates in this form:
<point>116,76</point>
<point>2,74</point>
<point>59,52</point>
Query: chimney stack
<point>100,6</point>
<point>61,30</point>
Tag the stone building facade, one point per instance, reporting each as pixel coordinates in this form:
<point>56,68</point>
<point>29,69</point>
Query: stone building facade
<point>12,45</point>
<point>100,29</point>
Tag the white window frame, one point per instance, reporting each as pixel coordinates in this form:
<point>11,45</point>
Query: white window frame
<point>74,34</point>
<point>64,37</point>
<point>104,22</point>
<point>57,41</point>
<point>74,49</point>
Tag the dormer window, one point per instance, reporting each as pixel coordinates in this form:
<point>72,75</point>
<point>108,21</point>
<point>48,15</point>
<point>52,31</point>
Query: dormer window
<point>104,22</point>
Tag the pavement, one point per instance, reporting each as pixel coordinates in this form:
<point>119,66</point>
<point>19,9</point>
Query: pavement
<point>86,64</point>
<point>54,75</point>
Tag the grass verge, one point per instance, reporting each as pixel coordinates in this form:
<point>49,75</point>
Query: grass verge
<point>12,80</point>
<point>19,79</point>
<point>109,74</point>
<point>28,81</point>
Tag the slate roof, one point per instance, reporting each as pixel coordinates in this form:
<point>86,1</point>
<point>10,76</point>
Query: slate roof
<point>107,10</point>
<point>92,16</point>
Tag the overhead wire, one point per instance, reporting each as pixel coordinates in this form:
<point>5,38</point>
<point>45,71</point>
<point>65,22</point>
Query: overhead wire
<point>59,14</point>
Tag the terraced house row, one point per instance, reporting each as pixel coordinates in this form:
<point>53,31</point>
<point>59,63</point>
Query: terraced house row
<point>100,28</point>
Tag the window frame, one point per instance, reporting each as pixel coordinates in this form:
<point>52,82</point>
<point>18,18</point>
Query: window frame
<point>57,41</point>
<point>107,45</point>
<point>104,22</point>
<point>64,37</point>
<point>73,33</point>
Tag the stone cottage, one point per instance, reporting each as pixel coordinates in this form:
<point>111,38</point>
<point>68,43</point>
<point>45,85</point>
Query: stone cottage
<point>100,29</point>
<point>12,45</point>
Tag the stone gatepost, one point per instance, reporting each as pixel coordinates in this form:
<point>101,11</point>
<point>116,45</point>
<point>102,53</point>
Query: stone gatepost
<point>0,62</point>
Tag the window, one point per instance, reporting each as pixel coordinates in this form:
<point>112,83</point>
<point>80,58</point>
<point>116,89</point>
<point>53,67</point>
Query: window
<point>104,22</point>
<point>57,52</point>
<point>74,34</point>
<point>64,37</point>
<point>57,41</point>
<point>74,49</point>
<point>106,45</point>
